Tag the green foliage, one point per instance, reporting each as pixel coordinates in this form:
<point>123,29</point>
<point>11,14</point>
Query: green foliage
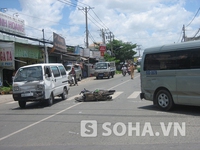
<point>122,50</point>
<point>109,58</point>
<point>5,89</point>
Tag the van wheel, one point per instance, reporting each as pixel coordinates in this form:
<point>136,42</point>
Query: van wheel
<point>22,104</point>
<point>164,100</point>
<point>64,94</point>
<point>50,100</point>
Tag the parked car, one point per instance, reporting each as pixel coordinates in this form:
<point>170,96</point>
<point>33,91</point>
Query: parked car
<point>77,69</point>
<point>40,82</point>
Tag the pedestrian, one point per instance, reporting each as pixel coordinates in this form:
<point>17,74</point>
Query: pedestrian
<point>132,68</point>
<point>73,72</point>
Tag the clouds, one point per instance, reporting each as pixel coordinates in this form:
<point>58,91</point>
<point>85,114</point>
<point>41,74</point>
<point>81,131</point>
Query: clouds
<point>145,22</point>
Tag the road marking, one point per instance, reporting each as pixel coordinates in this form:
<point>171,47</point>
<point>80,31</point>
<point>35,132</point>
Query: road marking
<point>72,98</point>
<point>135,94</point>
<point>116,94</point>
<point>119,84</point>
<point>33,124</point>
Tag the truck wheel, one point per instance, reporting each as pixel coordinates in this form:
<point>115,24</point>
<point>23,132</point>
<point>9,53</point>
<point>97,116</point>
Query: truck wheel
<point>22,104</point>
<point>97,78</point>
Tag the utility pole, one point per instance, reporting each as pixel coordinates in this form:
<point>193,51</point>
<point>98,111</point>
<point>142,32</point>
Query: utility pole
<point>44,47</point>
<point>184,38</point>
<point>111,44</point>
<point>103,36</point>
<point>139,49</point>
<point>86,24</point>
<point>110,37</point>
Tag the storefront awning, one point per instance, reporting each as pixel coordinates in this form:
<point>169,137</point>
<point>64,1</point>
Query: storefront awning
<point>21,61</point>
<point>84,58</point>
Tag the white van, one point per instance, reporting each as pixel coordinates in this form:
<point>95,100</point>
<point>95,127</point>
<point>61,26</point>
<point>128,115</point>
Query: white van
<point>40,82</point>
<point>170,74</point>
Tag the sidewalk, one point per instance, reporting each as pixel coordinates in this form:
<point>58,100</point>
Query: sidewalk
<point>6,98</point>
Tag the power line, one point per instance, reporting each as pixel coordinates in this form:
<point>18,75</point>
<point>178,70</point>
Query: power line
<point>100,20</point>
<point>194,17</point>
<point>82,3</point>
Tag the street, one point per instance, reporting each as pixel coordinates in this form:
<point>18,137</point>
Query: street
<point>126,122</point>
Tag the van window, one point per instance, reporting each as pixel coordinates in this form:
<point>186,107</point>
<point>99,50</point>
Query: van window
<point>62,70</point>
<point>47,71</point>
<point>183,59</point>
<point>29,74</point>
<point>55,71</point>
<point>195,59</point>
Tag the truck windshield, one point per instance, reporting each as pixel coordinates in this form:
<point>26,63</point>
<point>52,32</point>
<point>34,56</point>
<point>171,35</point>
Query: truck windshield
<point>101,66</point>
<point>29,74</point>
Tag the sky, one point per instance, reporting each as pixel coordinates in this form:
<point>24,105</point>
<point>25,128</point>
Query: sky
<point>145,22</point>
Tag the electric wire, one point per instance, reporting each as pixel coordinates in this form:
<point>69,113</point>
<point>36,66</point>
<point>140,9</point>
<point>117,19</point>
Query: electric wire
<point>194,17</point>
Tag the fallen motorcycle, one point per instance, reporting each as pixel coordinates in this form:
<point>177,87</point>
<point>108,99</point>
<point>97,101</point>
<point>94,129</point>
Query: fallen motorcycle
<point>97,95</point>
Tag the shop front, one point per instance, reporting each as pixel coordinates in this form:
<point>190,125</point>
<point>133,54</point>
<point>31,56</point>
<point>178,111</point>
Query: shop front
<point>14,55</point>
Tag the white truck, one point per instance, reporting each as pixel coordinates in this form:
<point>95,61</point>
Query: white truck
<point>104,69</point>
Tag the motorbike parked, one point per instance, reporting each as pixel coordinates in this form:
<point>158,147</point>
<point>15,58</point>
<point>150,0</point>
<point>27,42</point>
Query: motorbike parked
<point>96,95</point>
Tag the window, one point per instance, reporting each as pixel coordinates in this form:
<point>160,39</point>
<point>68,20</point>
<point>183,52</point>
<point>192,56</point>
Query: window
<point>62,70</point>
<point>55,71</point>
<point>184,59</point>
<point>29,74</point>
<point>195,59</point>
<point>160,61</point>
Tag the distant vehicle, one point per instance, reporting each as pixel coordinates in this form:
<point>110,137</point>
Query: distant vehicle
<point>170,74</point>
<point>40,82</point>
<point>138,64</point>
<point>104,69</point>
<point>77,69</point>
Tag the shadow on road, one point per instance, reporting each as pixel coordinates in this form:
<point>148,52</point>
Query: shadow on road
<point>179,109</point>
<point>38,105</point>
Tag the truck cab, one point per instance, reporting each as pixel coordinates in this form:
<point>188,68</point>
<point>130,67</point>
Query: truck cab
<point>105,69</point>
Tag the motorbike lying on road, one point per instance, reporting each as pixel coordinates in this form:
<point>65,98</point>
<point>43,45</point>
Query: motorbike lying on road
<point>96,95</point>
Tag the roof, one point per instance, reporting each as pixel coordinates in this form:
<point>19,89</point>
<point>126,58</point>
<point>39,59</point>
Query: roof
<point>42,64</point>
<point>172,47</point>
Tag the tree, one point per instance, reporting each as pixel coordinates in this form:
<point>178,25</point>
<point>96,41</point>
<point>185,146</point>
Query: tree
<point>122,50</point>
<point>109,58</point>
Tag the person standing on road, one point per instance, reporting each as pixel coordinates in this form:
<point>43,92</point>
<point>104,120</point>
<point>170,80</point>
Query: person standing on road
<point>73,72</point>
<point>132,68</point>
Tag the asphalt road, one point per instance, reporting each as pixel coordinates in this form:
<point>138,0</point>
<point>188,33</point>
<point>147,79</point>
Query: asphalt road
<point>126,122</point>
